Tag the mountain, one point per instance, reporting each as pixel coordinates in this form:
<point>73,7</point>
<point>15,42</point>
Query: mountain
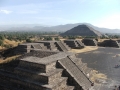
<point>58,28</point>
<point>82,30</point>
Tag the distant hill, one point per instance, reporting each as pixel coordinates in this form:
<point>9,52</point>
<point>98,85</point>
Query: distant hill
<point>82,30</point>
<point>58,28</point>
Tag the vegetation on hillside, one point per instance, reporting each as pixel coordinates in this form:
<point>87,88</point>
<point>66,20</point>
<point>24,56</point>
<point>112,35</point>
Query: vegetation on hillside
<point>12,39</point>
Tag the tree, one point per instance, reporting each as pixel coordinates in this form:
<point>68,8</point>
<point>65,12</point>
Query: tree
<point>1,37</point>
<point>1,42</point>
<point>47,38</point>
<point>57,39</point>
<point>28,40</point>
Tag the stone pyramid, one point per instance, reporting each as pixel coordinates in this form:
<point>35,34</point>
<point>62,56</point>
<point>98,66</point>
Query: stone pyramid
<point>82,30</point>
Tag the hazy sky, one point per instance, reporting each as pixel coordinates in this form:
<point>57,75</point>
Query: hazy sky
<point>102,13</point>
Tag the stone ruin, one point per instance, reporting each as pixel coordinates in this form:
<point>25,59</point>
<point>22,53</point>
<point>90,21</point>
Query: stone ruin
<point>27,47</point>
<point>74,43</point>
<point>89,42</point>
<point>42,45</point>
<point>110,43</point>
<point>64,45</point>
<point>45,70</point>
<point>55,45</point>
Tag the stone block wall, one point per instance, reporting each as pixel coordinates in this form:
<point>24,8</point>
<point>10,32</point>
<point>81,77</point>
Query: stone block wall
<point>109,43</point>
<point>89,42</point>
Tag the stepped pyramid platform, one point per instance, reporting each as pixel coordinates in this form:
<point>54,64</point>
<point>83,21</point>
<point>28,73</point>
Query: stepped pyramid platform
<point>44,70</point>
<point>110,43</point>
<point>55,45</point>
<point>74,43</point>
<point>89,42</point>
<point>27,47</point>
<point>82,30</point>
<point>42,45</point>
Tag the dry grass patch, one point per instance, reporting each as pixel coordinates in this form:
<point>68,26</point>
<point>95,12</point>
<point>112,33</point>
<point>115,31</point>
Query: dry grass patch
<point>9,42</point>
<point>98,77</point>
<point>9,59</point>
<point>85,49</point>
<point>1,48</point>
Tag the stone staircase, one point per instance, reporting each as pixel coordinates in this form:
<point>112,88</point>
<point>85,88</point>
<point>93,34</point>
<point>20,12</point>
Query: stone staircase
<point>45,70</point>
<point>36,46</point>
<point>61,46</point>
<point>89,42</point>
<point>83,66</point>
<point>27,47</point>
<point>33,74</point>
<point>80,44</point>
<point>71,43</point>
<point>68,48</point>
<point>75,75</point>
<point>43,47</point>
<point>52,47</point>
<point>23,48</point>
<point>74,43</point>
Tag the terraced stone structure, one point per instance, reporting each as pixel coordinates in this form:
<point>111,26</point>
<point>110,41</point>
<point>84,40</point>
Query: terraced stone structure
<point>89,42</point>
<point>42,45</point>
<point>110,43</point>
<point>82,30</point>
<point>45,70</point>
<point>27,47</point>
<point>74,43</point>
<point>55,45</point>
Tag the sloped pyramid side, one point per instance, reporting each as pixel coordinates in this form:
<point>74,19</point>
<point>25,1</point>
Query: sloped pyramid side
<point>82,30</point>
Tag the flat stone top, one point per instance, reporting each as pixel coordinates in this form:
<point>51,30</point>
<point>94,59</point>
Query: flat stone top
<point>38,53</point>
<point>88,39</point>
<point>70,40</point>
<point>46,41</point>
<point>29,43</point>
<point>46,60</point>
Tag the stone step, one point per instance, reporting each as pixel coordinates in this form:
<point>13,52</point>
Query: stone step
<point>80,43</point>
<point>46,78</point>
<point>37,67</point>
<point>74,43</point>
<point>43,47</point>
<point>83,66</point>
<point>61,46</point>
<point>69,88</point>
<point>79,63</point>
<point>68,48</point>
<point>71,68</point>
<point>75,60</point>
<point>37,46</point>
<point>25,84</point>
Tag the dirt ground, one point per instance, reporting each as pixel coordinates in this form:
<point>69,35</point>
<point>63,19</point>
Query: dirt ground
<point>85,49</point>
